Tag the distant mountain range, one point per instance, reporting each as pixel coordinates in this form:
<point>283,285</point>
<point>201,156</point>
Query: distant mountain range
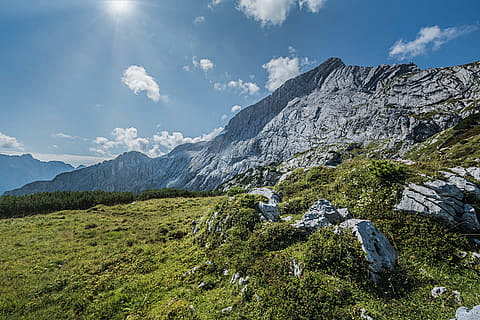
<point>16,171</point>
<point>387,107</point>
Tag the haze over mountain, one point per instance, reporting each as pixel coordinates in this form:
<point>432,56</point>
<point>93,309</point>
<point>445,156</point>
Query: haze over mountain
<point>332,106</point>
<point>16,171</point>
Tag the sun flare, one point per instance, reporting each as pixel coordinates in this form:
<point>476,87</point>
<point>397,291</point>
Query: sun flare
<point>119,7</point>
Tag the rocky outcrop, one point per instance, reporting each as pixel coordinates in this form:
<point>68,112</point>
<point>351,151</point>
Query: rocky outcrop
<point>463,184</point>
<point>266,176</point>
<point>320,215</point>
<point>473,172</point>
<point>380,254</point>
<point>394,106</point>
<point>467,314</point>
<point>269,210</point>
<point>442,200</point>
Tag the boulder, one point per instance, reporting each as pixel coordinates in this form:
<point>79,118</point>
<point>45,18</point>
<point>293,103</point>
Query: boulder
<point>438,291</point>
<point>467,314</point>
<point>380,254</point>
<point>321,214</point>
<point>463,184</point>
<point>442,200</point>
<point>474,172</point>
<point>270,210</point>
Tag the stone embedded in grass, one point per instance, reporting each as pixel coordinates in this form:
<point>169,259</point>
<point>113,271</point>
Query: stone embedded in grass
<point>438,291</point>
<point>462,184</point>
<point>227,310</point>
<point>270,211</point>
<point>467,314</point>
<point>442,200</point>
<point>380,254</point>
<point>321,214</point>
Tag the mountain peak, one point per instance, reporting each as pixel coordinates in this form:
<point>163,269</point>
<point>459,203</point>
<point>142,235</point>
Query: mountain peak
<point>132,155</point>
<point>334,60</point>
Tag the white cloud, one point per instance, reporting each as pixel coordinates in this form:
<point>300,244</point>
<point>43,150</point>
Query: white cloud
<point>186,68</point>
<point>199,20</point>
<point>224,117</point>
<point>312,5</point>
<point>204,64</point>
<point>127,139</point>
<point>214,3</point>
<point>275,12</point>
<point>63,136</point>
<point>138,80</point>
<point>236,108</point>
<point>124,138</point>
<point>219,86</point>
<point>164,141</point>
<point>244,87</point>
<point>428,38</point>
<point>280,70</point>
<point>7,142</point>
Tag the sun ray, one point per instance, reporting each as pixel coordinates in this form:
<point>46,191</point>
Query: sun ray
<point>119,7</point>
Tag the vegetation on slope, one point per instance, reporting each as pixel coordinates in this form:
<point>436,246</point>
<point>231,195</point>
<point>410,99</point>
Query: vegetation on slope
<point>459,145</point>
<point>143,260</point>
<point>18,206</point>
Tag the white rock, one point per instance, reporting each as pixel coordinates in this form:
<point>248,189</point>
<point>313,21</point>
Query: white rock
<point>321,214</point>
<point>467,314</point>
<point>296,268</point>
<point>270,210</point>
<point>438,291</point>
<point>474,172</point>
<point>457,296</point>
<point>381,255</point>
<point>345,213</point>
<point>442,200</point>
<point>463,184</point>
<point>227,310</point>
<point>364,314</point>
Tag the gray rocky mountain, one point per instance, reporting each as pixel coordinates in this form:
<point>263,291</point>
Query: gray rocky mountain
<point>328,108</point>
<point>16,171</point>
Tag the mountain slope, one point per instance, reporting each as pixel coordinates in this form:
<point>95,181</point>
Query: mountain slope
<point>392,106</point>
<point>16,171</point>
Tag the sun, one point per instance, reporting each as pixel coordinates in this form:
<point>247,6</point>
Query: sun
<point>119,7</point>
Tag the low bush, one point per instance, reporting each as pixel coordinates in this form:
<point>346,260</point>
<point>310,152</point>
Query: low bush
<point>337,254</point>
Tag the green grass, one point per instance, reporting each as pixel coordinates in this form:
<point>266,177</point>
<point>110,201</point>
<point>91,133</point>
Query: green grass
<point>103,263</point>
<point>459,145</point>
<point>135,261</point>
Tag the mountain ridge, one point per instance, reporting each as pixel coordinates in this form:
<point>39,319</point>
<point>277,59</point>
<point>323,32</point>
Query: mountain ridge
<point>18,170</point>
<point>332,104</point>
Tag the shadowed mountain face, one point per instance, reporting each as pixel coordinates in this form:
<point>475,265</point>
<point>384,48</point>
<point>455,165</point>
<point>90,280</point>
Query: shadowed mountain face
<point>16,171</point>
<point>393,106</point>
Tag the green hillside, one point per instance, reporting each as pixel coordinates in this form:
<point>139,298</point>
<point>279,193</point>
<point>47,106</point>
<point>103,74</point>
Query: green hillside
<point>143,260</point>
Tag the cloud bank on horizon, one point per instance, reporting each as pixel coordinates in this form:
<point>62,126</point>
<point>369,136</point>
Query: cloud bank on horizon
<point>127,139</point>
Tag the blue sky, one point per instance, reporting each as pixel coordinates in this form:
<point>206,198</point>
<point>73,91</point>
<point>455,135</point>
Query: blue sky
<point>87,80</point>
